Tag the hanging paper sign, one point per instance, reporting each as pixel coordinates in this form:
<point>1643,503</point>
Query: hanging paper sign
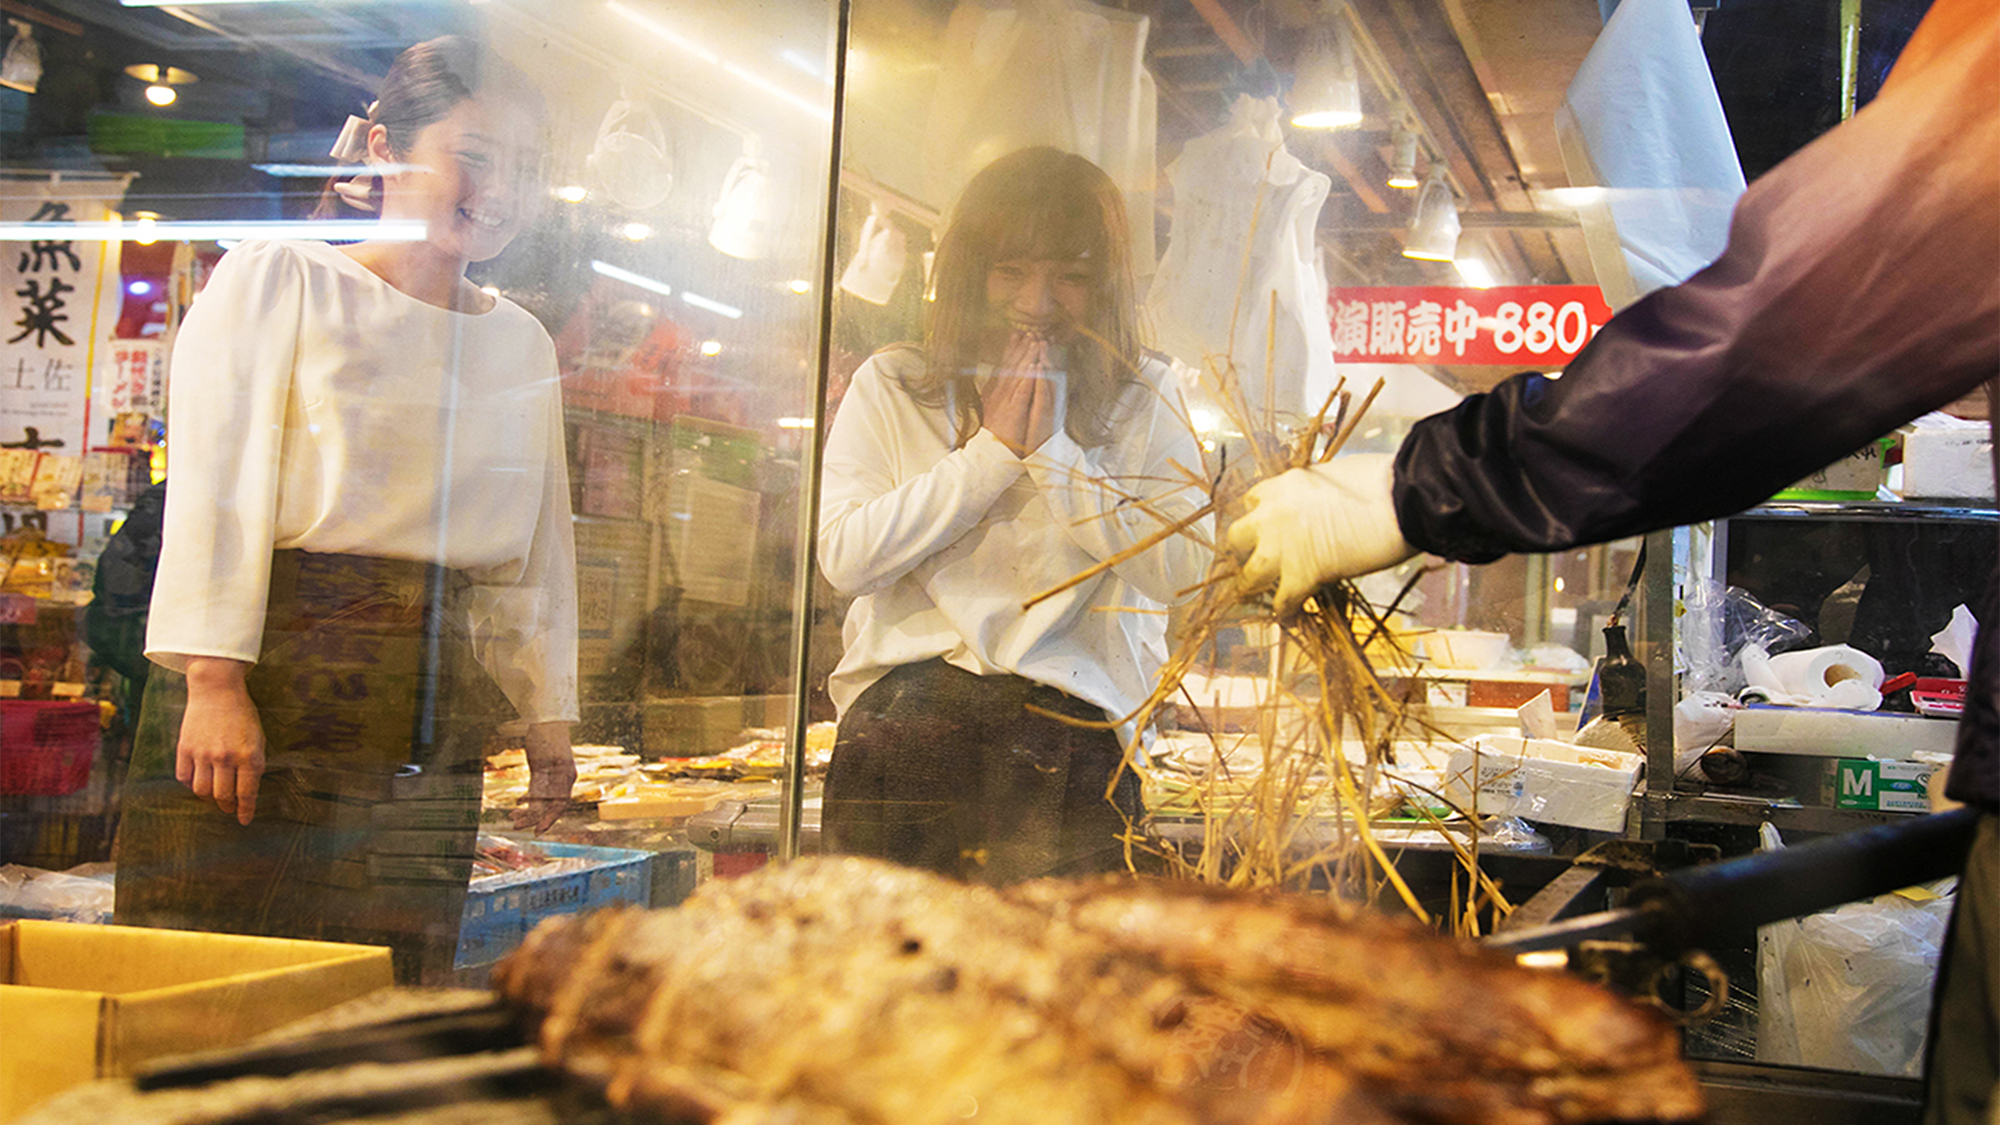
<point>132,377</point>
<point>1525,325</point>
<point>51,294</point>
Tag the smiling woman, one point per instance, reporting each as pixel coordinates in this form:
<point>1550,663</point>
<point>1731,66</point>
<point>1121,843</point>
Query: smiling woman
<point>367,545</point>
<point>1029,440</point>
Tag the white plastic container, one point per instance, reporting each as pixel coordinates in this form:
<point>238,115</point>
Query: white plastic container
<point>1465,648</point>
<point>1542,780</point>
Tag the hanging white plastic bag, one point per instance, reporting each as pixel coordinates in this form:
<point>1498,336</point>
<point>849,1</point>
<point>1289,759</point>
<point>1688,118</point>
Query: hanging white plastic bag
<point>1850,988</point>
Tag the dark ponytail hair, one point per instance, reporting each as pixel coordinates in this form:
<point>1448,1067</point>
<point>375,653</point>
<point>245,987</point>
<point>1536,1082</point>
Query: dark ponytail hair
<point>423,86</point>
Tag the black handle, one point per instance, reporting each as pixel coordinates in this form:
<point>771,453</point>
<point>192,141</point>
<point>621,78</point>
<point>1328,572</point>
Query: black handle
<point>492,1027</point>
<point>1721,901</point>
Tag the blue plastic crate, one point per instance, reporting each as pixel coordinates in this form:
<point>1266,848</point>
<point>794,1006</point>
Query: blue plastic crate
<point>496,920</point>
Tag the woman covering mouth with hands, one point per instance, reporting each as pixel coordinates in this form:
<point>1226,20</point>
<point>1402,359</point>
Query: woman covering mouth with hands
<point>367,553</point>
<point>1007,454</point>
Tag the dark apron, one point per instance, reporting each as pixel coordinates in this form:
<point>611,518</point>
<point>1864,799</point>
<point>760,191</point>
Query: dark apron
<point>939,768</point>
<point>375,716</point>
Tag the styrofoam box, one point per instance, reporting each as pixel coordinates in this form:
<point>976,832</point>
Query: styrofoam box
<point>1543,780</point>
<point>1842,734</point>
<point>1953,464</point>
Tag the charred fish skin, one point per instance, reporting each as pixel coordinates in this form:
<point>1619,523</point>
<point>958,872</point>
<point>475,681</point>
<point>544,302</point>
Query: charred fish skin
<point>847,990</point>
<point>885,994</point>
<point>1447,1030</point>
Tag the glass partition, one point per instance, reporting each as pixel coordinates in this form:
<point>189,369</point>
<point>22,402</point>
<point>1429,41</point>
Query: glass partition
<point>559,394</point>
<point>477,349</point>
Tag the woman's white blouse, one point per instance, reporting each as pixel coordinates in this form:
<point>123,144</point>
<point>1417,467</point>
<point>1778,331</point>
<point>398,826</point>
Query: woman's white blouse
<point>940,546</point>
<point>314,406</point>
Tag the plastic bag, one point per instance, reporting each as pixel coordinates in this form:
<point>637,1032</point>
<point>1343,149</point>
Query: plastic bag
<point>1717,625</point>
<point>81,894</point>
<point>1702,720</point>
<point>1850,988</point>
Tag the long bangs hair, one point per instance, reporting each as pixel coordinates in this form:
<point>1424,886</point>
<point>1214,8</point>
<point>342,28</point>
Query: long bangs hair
<point>1037,204</point>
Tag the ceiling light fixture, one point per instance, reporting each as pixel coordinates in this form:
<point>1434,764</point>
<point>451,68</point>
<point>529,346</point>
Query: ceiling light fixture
<point>711,347</point>
<point>742,227</point>
<point>717,307</point>
<point>21,67</point>
<point>630,278</point>
<point>161,80</point>
<point>1575,196</point>
<point>1403,165</point>
<point>1326,88</point>
<point>1475,272</point>
<point>337,171</point>
<point>1434,226</point>
<point>203,230</point>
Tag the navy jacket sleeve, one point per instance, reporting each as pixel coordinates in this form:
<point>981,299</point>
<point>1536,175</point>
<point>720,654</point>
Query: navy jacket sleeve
<point>1860,288</point>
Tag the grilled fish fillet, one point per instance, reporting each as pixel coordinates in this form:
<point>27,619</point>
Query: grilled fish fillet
<point>847,991</point>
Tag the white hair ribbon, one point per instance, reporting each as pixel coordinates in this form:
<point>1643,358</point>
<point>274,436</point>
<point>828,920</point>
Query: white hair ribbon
<point>351,147</point>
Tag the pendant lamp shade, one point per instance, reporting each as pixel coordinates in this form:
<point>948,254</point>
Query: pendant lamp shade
<point>1433,233</point>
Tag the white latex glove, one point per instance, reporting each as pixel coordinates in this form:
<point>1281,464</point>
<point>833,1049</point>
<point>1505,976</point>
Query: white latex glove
<point>1308,527</point>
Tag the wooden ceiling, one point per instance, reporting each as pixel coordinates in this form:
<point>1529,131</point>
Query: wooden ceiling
<point>1478,79</point>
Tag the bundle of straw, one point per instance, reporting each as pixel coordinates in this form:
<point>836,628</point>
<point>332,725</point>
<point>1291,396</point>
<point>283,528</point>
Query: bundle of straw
<point>1306,817</point>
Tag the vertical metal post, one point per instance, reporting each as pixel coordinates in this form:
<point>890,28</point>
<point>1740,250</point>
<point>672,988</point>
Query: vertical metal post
<point>1539,582</point>
<point>791,803</point>
<point>1656,651</point>
<point>1850,54</point>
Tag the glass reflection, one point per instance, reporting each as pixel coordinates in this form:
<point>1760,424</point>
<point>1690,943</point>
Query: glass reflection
<point>966,481</point>
<point>366,545</point>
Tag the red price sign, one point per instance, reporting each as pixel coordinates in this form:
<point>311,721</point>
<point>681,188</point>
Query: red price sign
<point>1526,325</point>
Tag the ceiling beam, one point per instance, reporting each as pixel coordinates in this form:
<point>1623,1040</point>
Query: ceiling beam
<point>1226,30</point>
<point>1421,49</point>
<point>36,15</point>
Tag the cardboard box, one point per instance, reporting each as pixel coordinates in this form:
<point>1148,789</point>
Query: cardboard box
<point>1842,734</point>
<point>1542,780</point>
<point>1854,783</point>
<point>82,1002</point>
<point>1948,464</point>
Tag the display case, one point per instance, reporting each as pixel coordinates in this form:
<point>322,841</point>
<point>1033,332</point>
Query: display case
<point>731,236</point>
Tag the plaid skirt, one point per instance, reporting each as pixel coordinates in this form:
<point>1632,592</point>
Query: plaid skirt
<point>375,716</point>
<point>940,768</point>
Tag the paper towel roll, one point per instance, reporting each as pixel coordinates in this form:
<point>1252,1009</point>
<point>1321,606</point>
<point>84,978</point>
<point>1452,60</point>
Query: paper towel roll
<point>1838,676</point>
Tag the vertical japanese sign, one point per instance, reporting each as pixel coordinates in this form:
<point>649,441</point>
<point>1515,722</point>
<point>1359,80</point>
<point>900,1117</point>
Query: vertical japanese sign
<point>55,294</point>
<point>132,377</point>
<point>1526,325</point>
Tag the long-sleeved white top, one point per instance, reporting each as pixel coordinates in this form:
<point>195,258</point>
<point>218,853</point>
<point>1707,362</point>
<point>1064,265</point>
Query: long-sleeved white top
<point>314,406</point>
<point>940,546</point>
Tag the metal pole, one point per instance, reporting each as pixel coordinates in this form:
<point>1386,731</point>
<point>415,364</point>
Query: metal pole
<point>1656,652</point>
<point>792,803</point>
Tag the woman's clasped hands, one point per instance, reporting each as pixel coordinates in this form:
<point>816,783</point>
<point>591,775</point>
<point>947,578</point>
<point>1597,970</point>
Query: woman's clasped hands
<point>1022,402</point>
